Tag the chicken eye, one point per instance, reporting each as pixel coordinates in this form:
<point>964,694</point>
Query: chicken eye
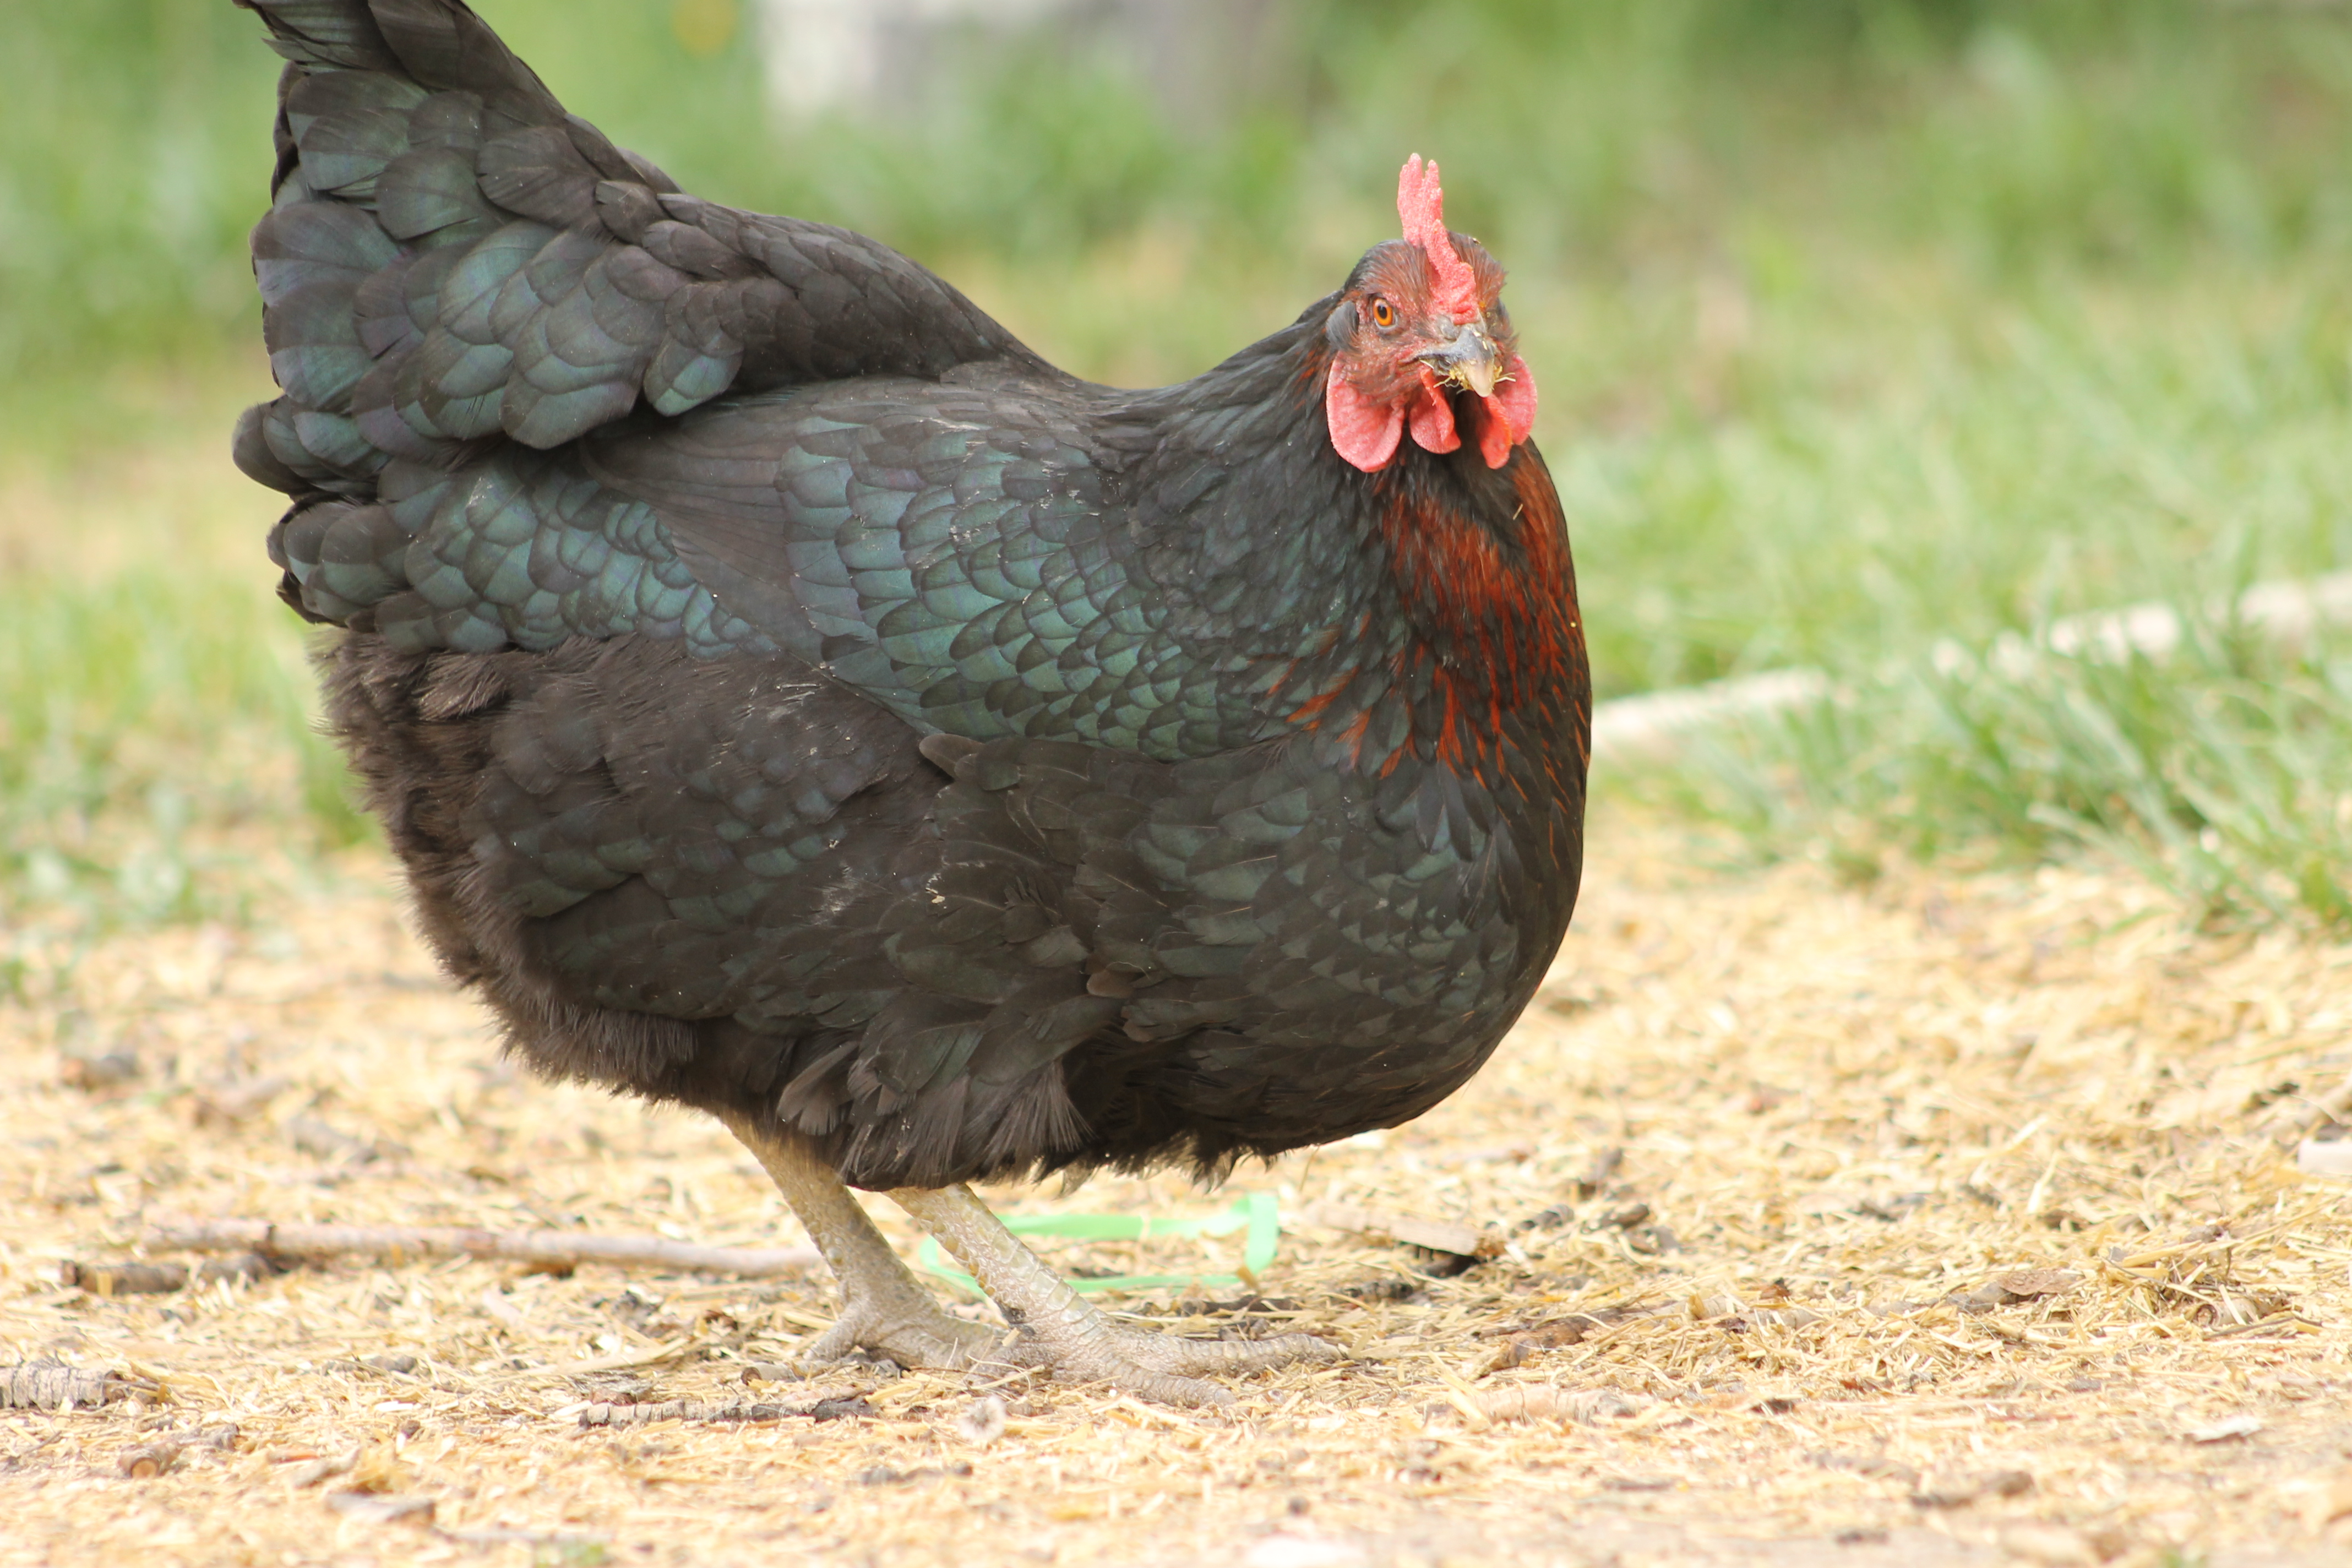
<point>1383,314</point>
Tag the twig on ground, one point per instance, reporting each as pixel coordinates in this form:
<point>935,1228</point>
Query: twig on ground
<point>833,1408</point>
<point>560,1250</point>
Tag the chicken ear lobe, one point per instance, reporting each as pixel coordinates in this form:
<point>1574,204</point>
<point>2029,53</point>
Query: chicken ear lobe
<point>1364,432</point>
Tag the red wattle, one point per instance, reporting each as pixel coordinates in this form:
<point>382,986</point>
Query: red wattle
<point>1364,432</point>
<point>1510,413</point>
<point>1433,417</point>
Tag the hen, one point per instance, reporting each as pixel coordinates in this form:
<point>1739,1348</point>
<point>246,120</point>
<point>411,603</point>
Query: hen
<point>790,696</point>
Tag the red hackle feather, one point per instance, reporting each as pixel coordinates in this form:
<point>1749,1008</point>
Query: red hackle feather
<point>1505,620</point>
<point>1421,203</point>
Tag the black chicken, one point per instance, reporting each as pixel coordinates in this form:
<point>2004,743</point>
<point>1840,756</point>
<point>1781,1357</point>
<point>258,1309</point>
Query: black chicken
<point>792,697</point>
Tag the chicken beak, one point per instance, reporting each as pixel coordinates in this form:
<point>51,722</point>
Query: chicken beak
<point>1471,360</point>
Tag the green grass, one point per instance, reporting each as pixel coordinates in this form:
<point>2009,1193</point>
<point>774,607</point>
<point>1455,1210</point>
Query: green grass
<point>2223,772</point>
<point>1605,146</point>
<point>1861,324</point>
<point>148,717</point>
<point>1896,458</point>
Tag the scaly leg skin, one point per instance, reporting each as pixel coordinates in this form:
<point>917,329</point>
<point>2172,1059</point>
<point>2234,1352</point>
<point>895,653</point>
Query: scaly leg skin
<point>1060,1330</point>
<point>885,1309</point>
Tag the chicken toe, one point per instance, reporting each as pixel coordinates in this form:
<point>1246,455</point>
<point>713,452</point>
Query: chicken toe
<point>1058,1329</point>
<point>913,1333</point>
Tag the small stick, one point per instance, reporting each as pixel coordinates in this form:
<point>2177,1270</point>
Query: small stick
<point>548,1249</point>
<point>52,1385</point>
<point>124,1279</point>
<point>1657,723</point>
<point>833,1408</point>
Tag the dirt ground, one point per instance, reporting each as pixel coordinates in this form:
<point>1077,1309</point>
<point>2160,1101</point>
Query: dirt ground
<point>1938,1221</point>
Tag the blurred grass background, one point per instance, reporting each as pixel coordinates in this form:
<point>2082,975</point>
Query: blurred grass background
<point>1860,324</point>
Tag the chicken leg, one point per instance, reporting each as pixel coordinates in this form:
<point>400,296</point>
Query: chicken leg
<point>885,1309</point>
<point>1057,1328</point>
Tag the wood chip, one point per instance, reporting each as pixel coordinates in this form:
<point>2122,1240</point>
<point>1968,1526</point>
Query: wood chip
<point>148,1460</point>
<point>2326,1499</point>
<point>983,1421</point>
<point>52,1385</point>
<point>232,1102</point>
<point>2228,1429</point>
<point>124,1278</point>
<point>1438,1235</point>
<point>90,1074</point>
<point>2051,1545</point>
<point>2030,1284</point>
<point>1958,1491</point>
<point>310,1473</point>
<point>376,1508</point>
<point>2331,1159</point>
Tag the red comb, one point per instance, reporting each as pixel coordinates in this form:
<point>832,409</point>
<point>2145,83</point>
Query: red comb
<point>1421,203</point>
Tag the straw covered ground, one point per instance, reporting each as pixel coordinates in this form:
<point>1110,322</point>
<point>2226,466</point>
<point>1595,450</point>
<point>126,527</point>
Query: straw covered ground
<point>1942,1220</point>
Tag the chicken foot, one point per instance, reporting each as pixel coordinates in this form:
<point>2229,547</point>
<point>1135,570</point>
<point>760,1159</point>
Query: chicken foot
<point>1057,1328</point>
<point>885,1309</point>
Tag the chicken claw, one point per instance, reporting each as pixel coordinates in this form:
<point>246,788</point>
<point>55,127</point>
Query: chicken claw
<point>1058,1329</point>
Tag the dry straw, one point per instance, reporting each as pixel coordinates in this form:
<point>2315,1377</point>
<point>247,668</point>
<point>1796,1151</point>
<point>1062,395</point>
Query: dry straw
<point>1953,1219</point>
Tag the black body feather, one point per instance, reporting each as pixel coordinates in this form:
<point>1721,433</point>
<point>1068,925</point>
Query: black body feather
<point>788,693</point>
